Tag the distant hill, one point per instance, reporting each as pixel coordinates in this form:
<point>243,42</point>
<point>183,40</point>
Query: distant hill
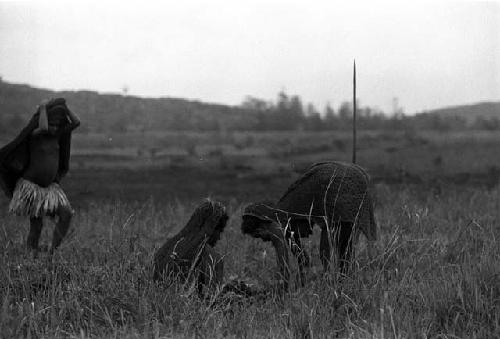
<point>485,110</point>
<point>119,113</point>
<point>102,112</point>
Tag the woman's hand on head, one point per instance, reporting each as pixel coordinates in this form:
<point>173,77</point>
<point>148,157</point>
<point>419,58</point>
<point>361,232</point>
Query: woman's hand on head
<point>43,123</point>
<point>44,102</point>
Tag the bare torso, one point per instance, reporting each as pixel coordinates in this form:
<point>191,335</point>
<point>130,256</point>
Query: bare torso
<point>44,159</point>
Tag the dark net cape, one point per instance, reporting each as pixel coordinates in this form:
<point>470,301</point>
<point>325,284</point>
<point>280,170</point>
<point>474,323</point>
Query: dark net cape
<point>329,191</point>
<point>188,249</point>
<point>15,156</point>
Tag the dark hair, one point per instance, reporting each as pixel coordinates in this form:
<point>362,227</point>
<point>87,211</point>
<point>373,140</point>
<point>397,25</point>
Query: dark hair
<point>251,223</point>
<point>58,115</point>
<point>265,211</point>
<point>221,224</point>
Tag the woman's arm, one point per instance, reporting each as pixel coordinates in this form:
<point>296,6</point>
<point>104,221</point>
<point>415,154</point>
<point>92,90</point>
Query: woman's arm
<point>74,120</point>
<point>43,121</point>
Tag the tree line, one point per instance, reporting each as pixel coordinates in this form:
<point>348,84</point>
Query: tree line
<point>288,113</point>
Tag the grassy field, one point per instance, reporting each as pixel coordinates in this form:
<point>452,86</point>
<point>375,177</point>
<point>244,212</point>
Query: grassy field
<point>413,151</point>
<point>412,155</point>
<point>436,272</point>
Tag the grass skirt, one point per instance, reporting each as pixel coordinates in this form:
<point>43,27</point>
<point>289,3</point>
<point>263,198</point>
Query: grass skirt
<point>29,199</point>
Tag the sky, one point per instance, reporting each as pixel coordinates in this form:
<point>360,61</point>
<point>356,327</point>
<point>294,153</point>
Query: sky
<point>418,55</point>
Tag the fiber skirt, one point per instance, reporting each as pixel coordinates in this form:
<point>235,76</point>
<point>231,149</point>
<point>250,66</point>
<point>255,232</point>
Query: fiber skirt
<point>32,200</point>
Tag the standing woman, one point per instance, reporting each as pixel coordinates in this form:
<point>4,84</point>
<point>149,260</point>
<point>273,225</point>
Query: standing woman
<point>32,165</point>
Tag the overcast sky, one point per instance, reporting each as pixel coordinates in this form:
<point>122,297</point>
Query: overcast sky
<point>428,55</point>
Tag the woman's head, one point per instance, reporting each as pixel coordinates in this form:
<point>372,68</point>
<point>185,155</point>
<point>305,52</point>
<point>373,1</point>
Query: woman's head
<point>53,115</point>
<point>259,221</point>
<point>57,118</point>
<point>209,219</point>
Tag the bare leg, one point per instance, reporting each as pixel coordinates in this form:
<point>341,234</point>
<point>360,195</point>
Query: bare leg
<point>344,245</point>
<point>36,225</point>
<point>65,214</point>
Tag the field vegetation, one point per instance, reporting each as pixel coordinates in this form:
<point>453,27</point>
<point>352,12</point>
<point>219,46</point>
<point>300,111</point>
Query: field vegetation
<point>435,273</point>
<point>396,156</point>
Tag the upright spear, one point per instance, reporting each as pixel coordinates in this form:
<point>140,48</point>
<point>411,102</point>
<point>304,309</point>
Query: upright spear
<point>354,114</point>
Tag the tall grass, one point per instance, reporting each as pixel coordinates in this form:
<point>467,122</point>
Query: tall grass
<point>436,274</point>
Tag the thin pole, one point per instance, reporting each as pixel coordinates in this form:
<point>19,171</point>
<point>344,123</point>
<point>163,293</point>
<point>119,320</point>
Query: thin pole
<point>354,114</point>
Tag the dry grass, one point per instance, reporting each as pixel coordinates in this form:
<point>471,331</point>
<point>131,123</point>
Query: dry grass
<point>436,275</point>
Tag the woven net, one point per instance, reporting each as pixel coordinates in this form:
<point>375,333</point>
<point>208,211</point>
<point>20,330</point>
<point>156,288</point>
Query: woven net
<point>331,192</point>
<point>188,253</point>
